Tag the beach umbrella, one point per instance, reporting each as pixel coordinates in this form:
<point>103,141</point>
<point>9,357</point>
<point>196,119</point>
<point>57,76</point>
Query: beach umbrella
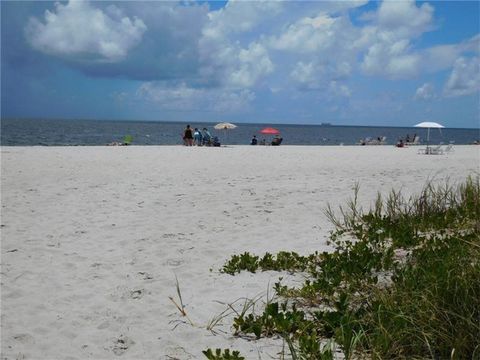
<point>225,126</point>
<point>269,131</point>
<point>428,125</point>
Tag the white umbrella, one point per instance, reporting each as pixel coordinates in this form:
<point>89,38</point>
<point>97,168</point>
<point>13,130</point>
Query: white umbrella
<point>225,126</point>
<point>428,125</point>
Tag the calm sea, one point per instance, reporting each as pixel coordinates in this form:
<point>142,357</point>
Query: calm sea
<point>15,132</point>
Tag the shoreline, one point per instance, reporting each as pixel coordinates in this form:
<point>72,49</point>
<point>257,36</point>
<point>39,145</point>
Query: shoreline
<point>417,146</point>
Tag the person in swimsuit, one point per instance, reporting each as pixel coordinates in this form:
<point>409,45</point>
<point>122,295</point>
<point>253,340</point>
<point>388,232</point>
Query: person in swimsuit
<point>188,136</point>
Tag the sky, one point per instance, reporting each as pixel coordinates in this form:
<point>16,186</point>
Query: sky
<point>386,63</point>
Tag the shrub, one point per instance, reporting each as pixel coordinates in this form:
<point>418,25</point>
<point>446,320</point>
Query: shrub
<point>403,281</point>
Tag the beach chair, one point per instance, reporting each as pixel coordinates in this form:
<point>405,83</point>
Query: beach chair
<point>416,141</point>
<point>449,149</point>
<point>216,141</point>
<point>437,150</point>
<point>277,142</point>
<point>378,141</point>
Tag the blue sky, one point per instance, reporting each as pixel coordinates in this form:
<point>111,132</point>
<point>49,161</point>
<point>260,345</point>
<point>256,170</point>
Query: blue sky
<point>390,63</point>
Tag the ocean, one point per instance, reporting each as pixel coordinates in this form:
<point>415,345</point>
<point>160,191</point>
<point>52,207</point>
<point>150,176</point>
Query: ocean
<point>23,132</point>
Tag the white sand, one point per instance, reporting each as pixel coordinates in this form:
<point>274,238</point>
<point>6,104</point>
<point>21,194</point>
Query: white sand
<point>92,237</point>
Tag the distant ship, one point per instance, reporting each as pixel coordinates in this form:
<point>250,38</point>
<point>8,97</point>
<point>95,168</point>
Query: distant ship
<point>326,124</point>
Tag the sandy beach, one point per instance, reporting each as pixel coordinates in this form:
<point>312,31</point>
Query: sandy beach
<point>94,238</point>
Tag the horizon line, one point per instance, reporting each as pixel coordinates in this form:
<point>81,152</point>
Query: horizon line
<point>322,124</point>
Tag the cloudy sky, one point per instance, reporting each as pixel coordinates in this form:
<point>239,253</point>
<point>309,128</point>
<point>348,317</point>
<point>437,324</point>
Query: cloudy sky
<point>392,63</point>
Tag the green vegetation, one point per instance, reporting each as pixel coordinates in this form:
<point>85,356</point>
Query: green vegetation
<point>222,355</point>
<point>403,281</point>
<point>289,261</point>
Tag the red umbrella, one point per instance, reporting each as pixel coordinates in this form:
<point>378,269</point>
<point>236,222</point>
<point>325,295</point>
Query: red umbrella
<point>270,131</point>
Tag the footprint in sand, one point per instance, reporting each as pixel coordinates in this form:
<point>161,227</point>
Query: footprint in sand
<point>104,325</point>
<point>145,275</point>
<point>137,294</point>
<point>177,352</point>
<point>166,236</point>
<point>181,251</point>
<point>175,262</point>
<point>122,344</point>
<point>24,338</point>
<point>120,293</point>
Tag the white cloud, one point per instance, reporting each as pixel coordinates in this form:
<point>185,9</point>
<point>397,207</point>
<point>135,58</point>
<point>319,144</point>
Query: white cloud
<point>79,30</point>
<point>403,66</point>
<point>184,98</point>
<point>253,63</point>
<point>471,45</point>
<point>304,73</point>
<point>388,41</point>
<point>235,49</point>
<point>324,45</point>
<point>227,63</point>
<point>425,92</point>
<point>307,35</point>
<point>443,57</point>
<point>310,75</point>
<point>239,16</point>
<point>227,53</point>
<point>232,101</point>
<point>464,78</point>
<point>339,90</point>
<point>391,58</point>
<point>404,17</point>
<point>439,57</point>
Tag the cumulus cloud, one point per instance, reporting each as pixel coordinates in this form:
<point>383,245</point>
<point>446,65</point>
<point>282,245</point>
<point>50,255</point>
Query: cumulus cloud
<point>388,40</point>
<point>324,43</point>
<point>246,44</point>
<point>239,16</point>
<point>404,17</point>
<point>464,78</point>
<point>439,57</point>
<point>225,63</point>
<point>425,92</point>
<point>305,73</point>
<point>312,76</point>
<point>225,57</point>
<point>185,98</point>
<point>77,29</point>
<point>339,90</point>
<point>471,45</point>
<point>252,64</point>
<point>307,35</point>
<point>392,59</point>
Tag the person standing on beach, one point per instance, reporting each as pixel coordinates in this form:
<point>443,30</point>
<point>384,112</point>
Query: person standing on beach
<point>197,135</point>
<point>188,136</point>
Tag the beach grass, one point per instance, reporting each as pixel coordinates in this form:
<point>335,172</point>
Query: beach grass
<point>403,281</point>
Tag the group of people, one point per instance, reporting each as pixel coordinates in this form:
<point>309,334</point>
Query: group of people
<point>195,137</point>
<point>369,141</point>
<point>277,140</point>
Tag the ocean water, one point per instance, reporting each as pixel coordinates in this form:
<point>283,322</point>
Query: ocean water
<point>22,132</point>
